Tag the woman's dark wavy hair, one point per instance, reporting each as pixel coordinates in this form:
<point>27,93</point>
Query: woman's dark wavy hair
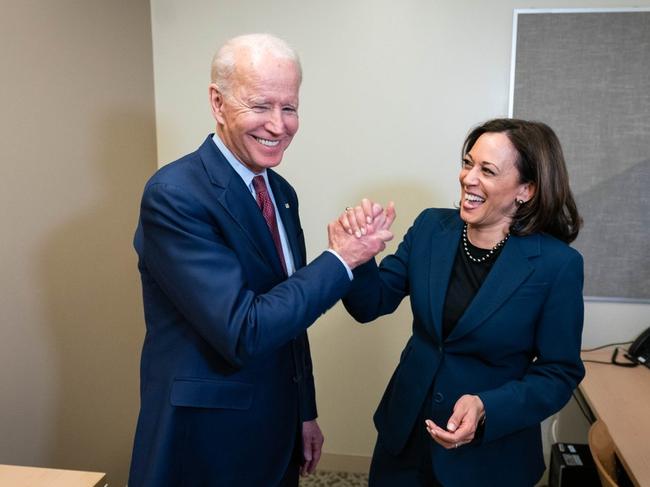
<point>552,208</point>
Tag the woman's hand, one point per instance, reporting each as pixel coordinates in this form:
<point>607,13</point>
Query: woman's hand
<point>367,218</point>
<point>461,427</point>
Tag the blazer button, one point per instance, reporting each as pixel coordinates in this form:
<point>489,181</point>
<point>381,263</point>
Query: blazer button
<point>438,397</point>
<point>440,348</point>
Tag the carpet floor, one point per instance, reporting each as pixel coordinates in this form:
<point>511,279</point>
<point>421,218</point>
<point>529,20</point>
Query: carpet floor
<point>335,479</point>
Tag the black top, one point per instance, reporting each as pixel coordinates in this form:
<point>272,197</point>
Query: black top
<point>465,281</point>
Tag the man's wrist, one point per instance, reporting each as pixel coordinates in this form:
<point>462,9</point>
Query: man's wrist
<point>347,267</point>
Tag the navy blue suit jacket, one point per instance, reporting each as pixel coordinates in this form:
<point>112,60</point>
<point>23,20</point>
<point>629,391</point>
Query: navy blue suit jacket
<point>226,376</point>
<point>517,346</point>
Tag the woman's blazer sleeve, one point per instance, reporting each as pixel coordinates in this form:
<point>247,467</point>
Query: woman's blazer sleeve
<point>556,369</point>
<point>377,291</point>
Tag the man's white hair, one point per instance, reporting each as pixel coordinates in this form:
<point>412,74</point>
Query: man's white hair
<point>256,46</point>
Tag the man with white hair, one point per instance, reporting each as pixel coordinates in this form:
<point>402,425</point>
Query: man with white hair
<point>227,391</point>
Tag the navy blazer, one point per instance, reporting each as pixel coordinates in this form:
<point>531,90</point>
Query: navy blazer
<point>517,346</point>
<point>226,375</point>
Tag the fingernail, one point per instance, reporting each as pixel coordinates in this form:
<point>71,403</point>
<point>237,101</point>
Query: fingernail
<point>368,219</point>
<point>358,233</point>
<point>451,427</point>
<point>363,231</point>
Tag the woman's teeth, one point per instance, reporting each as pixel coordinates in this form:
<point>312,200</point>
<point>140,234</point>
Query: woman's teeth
<point>473,197</point>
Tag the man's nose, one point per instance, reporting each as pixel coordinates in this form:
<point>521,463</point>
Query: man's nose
<point>275,124</point>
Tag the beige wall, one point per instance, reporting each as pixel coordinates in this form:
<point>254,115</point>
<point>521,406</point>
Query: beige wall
<point>390,90</point>
<point>78,141</point>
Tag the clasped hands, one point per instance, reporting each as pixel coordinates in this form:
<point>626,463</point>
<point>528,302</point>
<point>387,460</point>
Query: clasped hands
<point>360,233</point>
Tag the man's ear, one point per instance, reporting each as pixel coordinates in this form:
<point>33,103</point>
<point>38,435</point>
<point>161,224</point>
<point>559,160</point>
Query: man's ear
<point>216,102</point>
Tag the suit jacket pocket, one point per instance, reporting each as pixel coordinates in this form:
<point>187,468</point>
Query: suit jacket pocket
<point>207,393</point>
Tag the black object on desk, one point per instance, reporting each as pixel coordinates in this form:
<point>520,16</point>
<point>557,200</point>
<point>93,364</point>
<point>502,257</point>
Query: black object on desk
<point>639,351</point>
<point>572,466</point>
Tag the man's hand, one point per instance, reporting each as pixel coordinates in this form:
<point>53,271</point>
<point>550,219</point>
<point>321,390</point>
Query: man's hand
<point>312,445</point>
<point>358,244</point>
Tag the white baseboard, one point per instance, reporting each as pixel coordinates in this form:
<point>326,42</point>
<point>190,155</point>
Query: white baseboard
<point>344,463</point>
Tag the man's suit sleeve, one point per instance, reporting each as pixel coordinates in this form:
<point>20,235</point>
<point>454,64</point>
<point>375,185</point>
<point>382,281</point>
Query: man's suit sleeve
<point>203,277</point>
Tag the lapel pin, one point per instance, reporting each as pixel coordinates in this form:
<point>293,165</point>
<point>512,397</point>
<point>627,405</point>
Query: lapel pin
<point>286,205</point>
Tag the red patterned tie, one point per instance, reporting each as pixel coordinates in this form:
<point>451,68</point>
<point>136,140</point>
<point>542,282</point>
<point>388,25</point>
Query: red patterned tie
<point>268,211</point>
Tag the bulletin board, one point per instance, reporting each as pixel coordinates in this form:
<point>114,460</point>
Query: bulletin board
<point>586,73</point>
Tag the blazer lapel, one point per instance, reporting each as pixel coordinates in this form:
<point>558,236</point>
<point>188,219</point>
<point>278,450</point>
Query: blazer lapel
<point>237,201</point>
<point>510,270</point>
<point>444,245</point>
<point>289,218</point>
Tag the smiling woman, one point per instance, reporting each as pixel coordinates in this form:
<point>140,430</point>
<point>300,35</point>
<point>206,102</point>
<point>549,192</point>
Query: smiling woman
<point>496,295</point>
<point>491,189</point>
<point>543,198</point>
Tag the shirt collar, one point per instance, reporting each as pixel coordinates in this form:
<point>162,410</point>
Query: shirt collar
<point>244,172</point>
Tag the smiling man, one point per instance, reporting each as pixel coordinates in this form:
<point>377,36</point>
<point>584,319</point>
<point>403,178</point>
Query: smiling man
<point>255,101</point>
<point>227,391</point>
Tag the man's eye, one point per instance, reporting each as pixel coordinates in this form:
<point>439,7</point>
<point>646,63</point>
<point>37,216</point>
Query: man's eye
<point>259,108</point>
<point>289,110</point>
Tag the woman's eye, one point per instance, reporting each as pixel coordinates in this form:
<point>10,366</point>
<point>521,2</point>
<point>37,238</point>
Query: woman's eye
<point>465,163</point>
<point>488,171</point>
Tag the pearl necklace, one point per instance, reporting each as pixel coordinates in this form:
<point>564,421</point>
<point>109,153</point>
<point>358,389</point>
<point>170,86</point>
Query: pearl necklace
<point>486,256</point>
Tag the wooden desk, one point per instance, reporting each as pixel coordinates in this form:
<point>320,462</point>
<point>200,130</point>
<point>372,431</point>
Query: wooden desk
<point>620,397</point>
<point>13,476</point>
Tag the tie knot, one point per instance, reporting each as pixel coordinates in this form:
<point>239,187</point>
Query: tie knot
<point>259,184</point>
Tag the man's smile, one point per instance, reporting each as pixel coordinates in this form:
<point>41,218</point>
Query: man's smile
<point>266,142</point>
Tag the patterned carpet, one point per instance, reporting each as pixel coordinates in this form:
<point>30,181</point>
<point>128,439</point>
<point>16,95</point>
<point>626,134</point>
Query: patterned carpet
<point>335,479</point>
<point>342,479</point>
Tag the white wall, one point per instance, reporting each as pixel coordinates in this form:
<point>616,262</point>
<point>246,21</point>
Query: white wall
<point>390,90</point>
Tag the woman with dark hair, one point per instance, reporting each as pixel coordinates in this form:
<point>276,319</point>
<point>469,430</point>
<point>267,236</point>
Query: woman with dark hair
<point>496,295</point>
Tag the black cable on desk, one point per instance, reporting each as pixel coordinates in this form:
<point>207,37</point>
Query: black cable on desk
<point>613,360</point>
<point>604,346</point>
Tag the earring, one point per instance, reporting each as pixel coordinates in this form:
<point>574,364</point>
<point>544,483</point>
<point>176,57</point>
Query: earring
<point>519,202</point>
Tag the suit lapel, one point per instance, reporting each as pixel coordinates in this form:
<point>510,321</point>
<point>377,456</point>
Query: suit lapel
<point>237,201</point>
<point>510,270</point>
<point>444,244</point>
<point>289,218</point>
